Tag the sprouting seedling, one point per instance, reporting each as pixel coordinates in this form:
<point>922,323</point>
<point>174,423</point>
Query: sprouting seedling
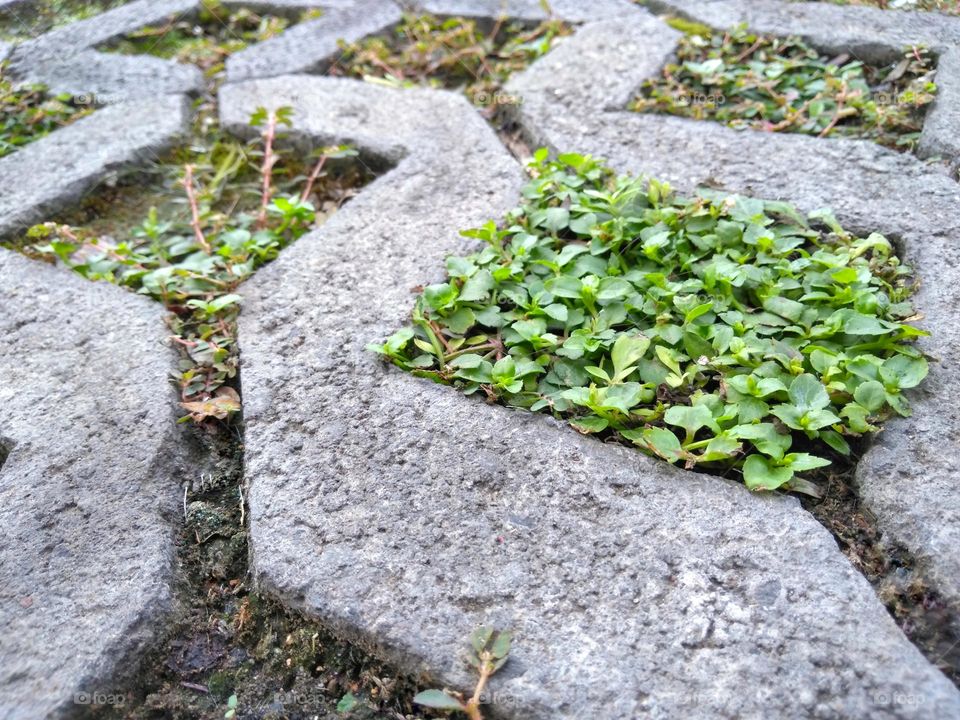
<point>269,121</point>
<point>194,262</point>
<point>231,712</point>
<point>489,650</point>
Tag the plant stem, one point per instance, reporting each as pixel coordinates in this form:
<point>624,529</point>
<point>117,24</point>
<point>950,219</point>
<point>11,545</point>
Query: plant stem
<point>313,178</point>
<point>472,708</point>
<point>266,170</point>
<point>194,210</point>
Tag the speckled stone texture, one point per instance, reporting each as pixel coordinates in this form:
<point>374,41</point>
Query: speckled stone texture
<point>404,514</point>
<point>941,128</point>
<point>65,59</point>
<point>48,174</point>
<point>569,10</point>
<point>401,513</point>
<point>910,477</point>
<point>307,46</point>
<point>89,491</point>
<point>872,34</point>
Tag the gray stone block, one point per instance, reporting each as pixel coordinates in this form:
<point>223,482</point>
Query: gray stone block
<point>570,10</point>
<point>110,78</point>
<point>66,61</point>
<point>941,128</point>
<point>403,514</point>
<point>44,176</point>
<point>908,479</point>
<point>62,42</point>
<point>89,490</point>
<point>869,33</point>
<point>306,47</point>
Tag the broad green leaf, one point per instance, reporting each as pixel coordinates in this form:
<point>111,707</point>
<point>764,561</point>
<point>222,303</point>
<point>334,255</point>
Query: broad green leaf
<point>477,287</point>
<point>903,372</point>
<point>760,473</point>
<point>556,219</point>
<point>590,424</point>
<point>440,296</point>
<point>438,700</point>
<point>627,350</point>
<point>798,462</point>
<point>691,418</point>
<point>808,393</point>
<point>663,443</point>
<point>871,395</point>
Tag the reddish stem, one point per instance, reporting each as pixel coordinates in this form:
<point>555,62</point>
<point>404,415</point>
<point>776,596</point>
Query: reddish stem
<point>313,178</point>
<point>194,210</point>
<point>266,171</point>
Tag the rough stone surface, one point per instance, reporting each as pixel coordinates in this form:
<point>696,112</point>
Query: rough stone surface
<point>571,10</point>
<point>305,47</point>
<point>403,514</point>
<point>66,61</point>
<point>44,176</point>
<point>941,128</point>
<point>82,35</point>
<point>908,478</point>
<point>88,493</point>
<point>872,34</point>
<point>108,78</point>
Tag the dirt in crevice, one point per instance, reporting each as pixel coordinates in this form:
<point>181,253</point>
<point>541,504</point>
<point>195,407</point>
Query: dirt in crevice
<point>899,582</point>
<point>228,639</point>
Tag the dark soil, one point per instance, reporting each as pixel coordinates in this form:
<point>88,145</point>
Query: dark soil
<point>228,639</point>
<point>919,611</point>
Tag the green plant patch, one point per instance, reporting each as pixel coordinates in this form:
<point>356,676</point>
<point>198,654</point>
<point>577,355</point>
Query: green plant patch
<point>783,85</point>
<point>208,38</point>
<point>455,53</point>
<point>27,112</point>
<point>213,214</point>
<point>725,333</point>
<point>32,19</point>
<point>950,7</point>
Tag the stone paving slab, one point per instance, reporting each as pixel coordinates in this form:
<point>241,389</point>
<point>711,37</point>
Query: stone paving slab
<point>910,474</point>
<point>874,35</point>
<point>108,78</point>
<point>404,514</point>
<point>570,10</point>
<point>305,47</point>
<point>867,33</point>
<point>89,491</point>
<point>65,59</point>
<point>47,175</point>
<point>82,35</point>
<point>941,127</point>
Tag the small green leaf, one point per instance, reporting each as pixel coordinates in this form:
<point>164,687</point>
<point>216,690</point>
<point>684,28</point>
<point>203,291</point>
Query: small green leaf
<point>808,393</point>
<point>627,350</point>
<point>477,287</point>
<point>437,699</point>
<point>903,372</point>
<point>760,473</point>
<point>347,703</point>
<point>663,442</point>
<point>556,219</point>
<point>691,418</point>
<point>871,395</point>
<point>590,424</point>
